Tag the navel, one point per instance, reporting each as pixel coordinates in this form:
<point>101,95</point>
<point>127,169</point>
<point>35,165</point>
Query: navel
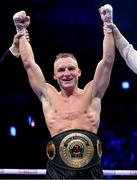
<point>85,111</point>
<point>55,110</point>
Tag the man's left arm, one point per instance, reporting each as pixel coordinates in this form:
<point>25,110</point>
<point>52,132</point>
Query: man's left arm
<point>104,68</point>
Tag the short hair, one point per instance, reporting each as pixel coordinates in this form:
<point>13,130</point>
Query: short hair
<point>65,55</point>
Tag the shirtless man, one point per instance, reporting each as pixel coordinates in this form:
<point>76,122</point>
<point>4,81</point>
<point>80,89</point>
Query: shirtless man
<point>72,115</point>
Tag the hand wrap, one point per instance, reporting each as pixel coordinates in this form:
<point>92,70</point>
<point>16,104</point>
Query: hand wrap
<point>106,13</point>
<point>21,21</point>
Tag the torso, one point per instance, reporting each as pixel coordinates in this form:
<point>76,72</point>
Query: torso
<point>74,112</point>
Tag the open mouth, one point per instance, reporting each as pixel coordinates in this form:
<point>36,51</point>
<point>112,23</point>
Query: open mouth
<point>67,80</point>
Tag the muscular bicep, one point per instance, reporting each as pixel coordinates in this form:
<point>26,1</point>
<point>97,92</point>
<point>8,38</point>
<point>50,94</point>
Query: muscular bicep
<point>35,75</point>
<point>103,71</point>
<point>101,78</point>
<point>36,79</point>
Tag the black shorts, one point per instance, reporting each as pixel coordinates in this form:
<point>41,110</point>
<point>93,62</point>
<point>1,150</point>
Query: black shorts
<point>74,154</point>
<point>55,172</point>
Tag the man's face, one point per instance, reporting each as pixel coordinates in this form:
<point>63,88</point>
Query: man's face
<point>66,72</point>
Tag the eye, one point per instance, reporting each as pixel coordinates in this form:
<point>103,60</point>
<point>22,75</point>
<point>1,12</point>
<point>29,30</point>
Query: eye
<point>71,68</point>
<point>61,69</point>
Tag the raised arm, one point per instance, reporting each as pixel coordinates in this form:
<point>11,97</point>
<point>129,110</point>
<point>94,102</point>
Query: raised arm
<point>126,49</point>
<point>35,75</point>
<point>104,68</point>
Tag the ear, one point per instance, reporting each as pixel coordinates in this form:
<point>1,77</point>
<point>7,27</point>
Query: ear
<point>54,77</point>
<point>79,72</point>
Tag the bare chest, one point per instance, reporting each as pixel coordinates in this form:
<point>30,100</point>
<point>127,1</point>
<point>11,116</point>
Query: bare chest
<point>71,110</point>
<point>73,113</point>
<point>73,107</point>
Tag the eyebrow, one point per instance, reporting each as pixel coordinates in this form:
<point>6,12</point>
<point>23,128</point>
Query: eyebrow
<point>69,67</point>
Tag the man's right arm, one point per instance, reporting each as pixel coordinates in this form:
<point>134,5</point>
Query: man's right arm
<point>35,75</point>
<point>126,49</point>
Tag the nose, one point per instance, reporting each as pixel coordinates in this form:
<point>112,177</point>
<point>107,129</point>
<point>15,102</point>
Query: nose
<point>66,72</point>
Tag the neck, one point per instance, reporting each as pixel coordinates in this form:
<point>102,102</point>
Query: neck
<point>69,92</point>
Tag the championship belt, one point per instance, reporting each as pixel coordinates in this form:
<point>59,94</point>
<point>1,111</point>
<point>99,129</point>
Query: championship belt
<point>74,149</point>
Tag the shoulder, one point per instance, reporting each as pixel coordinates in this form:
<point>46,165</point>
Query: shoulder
<point>51,87</point>
<point>89,85</point>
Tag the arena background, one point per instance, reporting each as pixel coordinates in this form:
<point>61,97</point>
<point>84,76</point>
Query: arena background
<point>66,26</point>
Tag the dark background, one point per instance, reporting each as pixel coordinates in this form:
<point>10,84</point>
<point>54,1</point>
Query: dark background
<point>66,26</point>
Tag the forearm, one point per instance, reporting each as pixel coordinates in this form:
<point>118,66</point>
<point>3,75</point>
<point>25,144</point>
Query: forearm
<point>104,67</point>
<point>108,48</point>
<point>127,51</point>
<point>26,51</point>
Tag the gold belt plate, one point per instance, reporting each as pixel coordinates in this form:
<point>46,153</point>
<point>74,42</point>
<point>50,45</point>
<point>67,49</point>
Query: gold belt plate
<point>76,150</point>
